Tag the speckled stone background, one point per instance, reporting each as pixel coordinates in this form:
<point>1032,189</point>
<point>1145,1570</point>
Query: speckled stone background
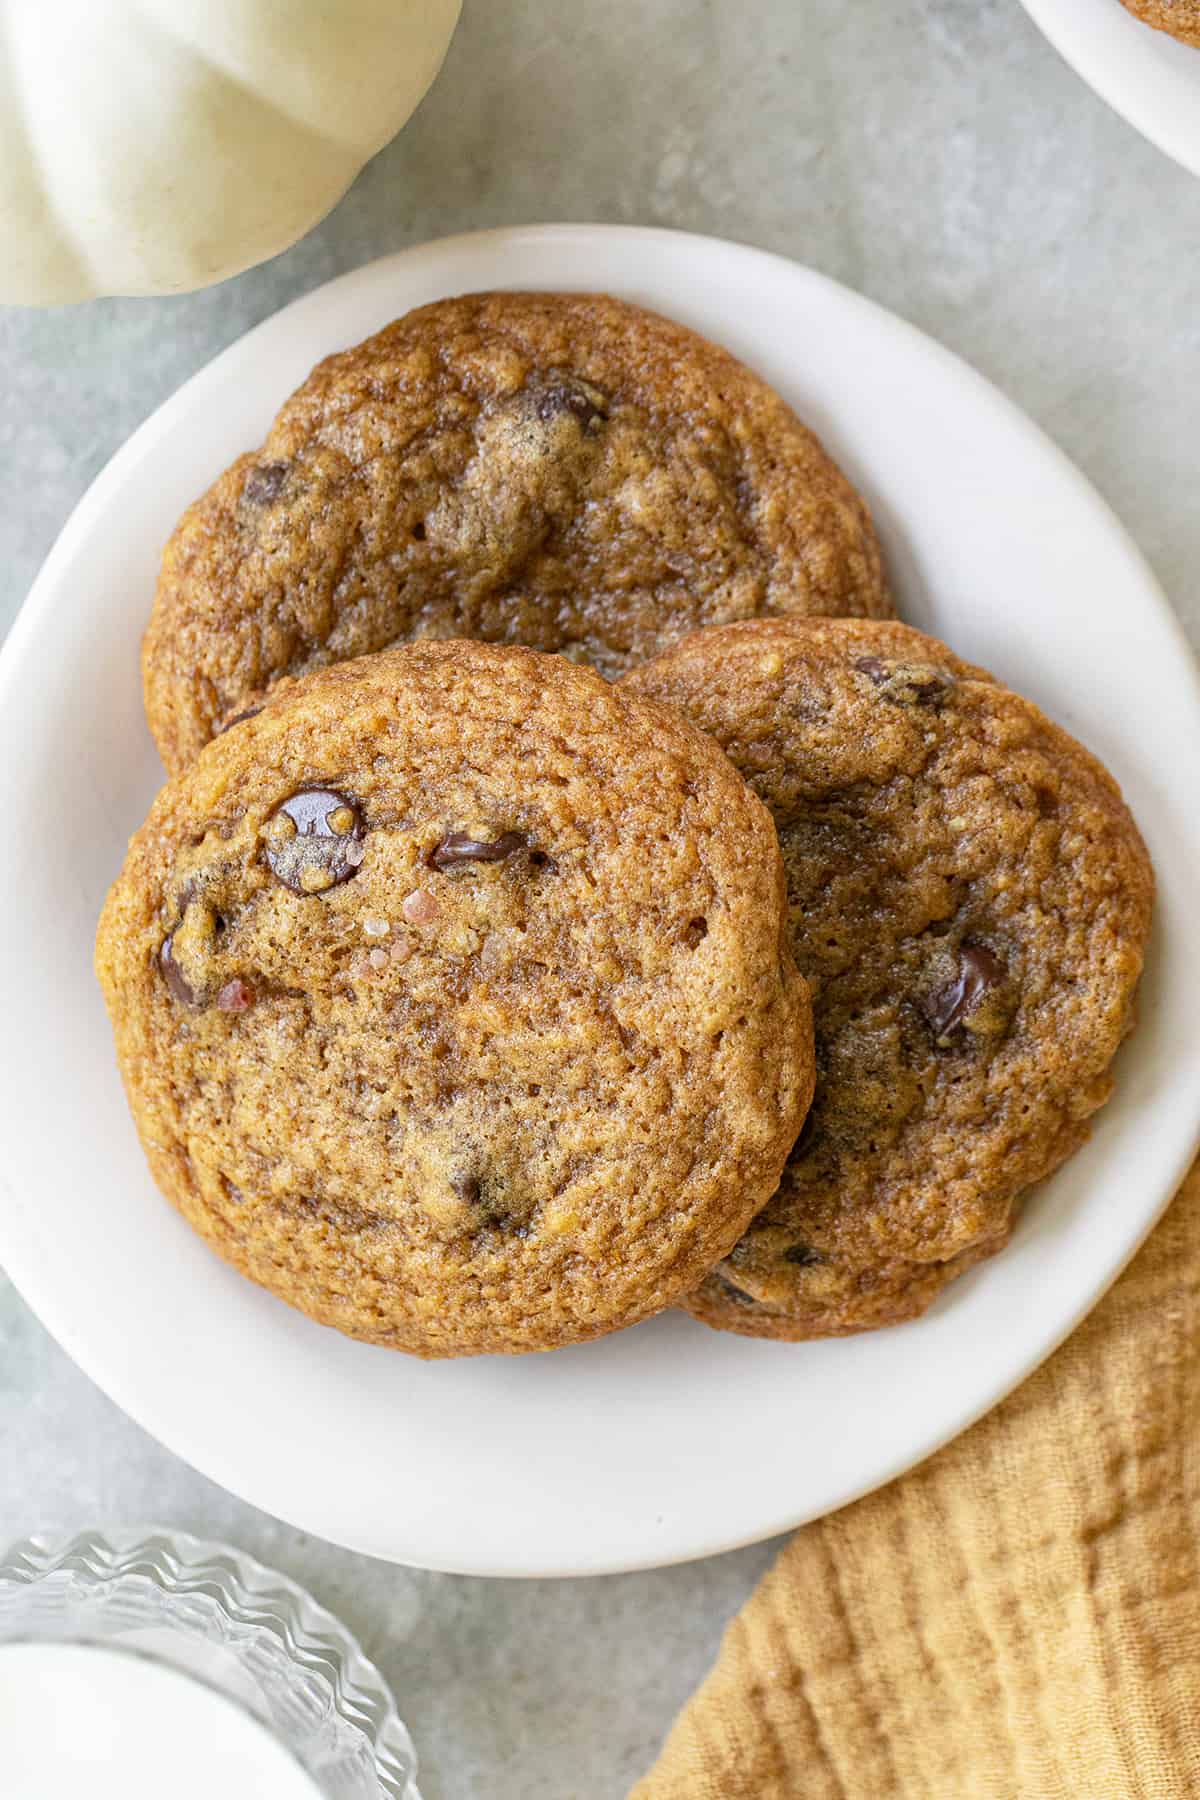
<point>935,154</point>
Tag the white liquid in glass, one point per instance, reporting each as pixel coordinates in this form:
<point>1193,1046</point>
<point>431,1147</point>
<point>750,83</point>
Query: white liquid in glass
<point>80,1721</point>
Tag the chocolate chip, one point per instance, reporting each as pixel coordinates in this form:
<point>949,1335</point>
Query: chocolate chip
<point>265,483</point>
<point>929,690</point>
<point>457,847</point>
<point>727,1291</point>
<point>979,972</point>
<point>314,841</point>
<point>566,394</point>
<point>906,683</point>
<point>175,978</point>
<point>802,1256</point>
<point>251,712</point>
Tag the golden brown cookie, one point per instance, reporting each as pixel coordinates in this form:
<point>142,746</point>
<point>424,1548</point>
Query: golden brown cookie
<point>560,470</point>
<point>834,1299</point>
<point>1181,18</point>
<point>969,900</point>
<point>453,1002</point>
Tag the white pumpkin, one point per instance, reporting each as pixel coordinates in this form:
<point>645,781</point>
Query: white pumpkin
<point>152,146</point>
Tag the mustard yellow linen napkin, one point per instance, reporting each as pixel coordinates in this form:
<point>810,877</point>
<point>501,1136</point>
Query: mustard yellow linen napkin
<point>1018,1619</point>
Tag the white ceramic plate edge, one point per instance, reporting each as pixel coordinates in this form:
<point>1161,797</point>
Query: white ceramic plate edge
<point>1144,76</point>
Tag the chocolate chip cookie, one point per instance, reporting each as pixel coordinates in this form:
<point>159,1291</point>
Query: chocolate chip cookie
<point>453,1001</point>
<point>1181,18</point>
<point>834,1299</point>
<point>559,470</point>
<point>969,900</point>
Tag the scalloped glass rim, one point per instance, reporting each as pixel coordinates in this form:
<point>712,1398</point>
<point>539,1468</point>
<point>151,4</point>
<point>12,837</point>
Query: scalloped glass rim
<point>224,1619</point>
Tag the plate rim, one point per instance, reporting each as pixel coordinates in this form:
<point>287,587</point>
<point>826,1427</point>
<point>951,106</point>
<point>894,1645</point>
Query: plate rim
<point>1083,54</point>
<point>22,639</point>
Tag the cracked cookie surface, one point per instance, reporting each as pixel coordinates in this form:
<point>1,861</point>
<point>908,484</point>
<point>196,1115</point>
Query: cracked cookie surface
<point>564,471</point>
<point>969,899</point>
<point>453,1001</point>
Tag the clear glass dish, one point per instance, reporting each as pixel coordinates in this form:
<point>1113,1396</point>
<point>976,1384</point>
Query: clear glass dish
<point>222,1618</point>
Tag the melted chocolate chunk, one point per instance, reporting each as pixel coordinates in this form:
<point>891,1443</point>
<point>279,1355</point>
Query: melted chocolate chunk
<point>314,841</point>
<point>175,978</point>
<point>251,712</point>
<point>979,972</point>
<point>567,395</point>
<point>729,1292</point>
<point>906,684</point>
<point>802,1256</point>
<point>457,847</point>
<point>265,483</point>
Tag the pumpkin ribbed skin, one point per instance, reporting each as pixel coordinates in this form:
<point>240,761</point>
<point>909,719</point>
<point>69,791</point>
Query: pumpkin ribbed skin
<point>149,148</point>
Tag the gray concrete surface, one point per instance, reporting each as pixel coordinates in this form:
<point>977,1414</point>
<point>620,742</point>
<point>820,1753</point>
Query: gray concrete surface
<point>935,154</point>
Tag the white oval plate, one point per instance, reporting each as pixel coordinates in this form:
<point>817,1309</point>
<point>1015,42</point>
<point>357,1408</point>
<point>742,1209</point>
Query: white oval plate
<point>1151,79</point>
<point>670,1441</point>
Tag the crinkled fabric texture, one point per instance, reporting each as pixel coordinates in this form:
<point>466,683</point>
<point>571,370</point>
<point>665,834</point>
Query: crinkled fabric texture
<point>453,1000</point>
<point>1018,1619</point>
<point>564,471</point>
<point>1181,18</point>
<point>970,901</point>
